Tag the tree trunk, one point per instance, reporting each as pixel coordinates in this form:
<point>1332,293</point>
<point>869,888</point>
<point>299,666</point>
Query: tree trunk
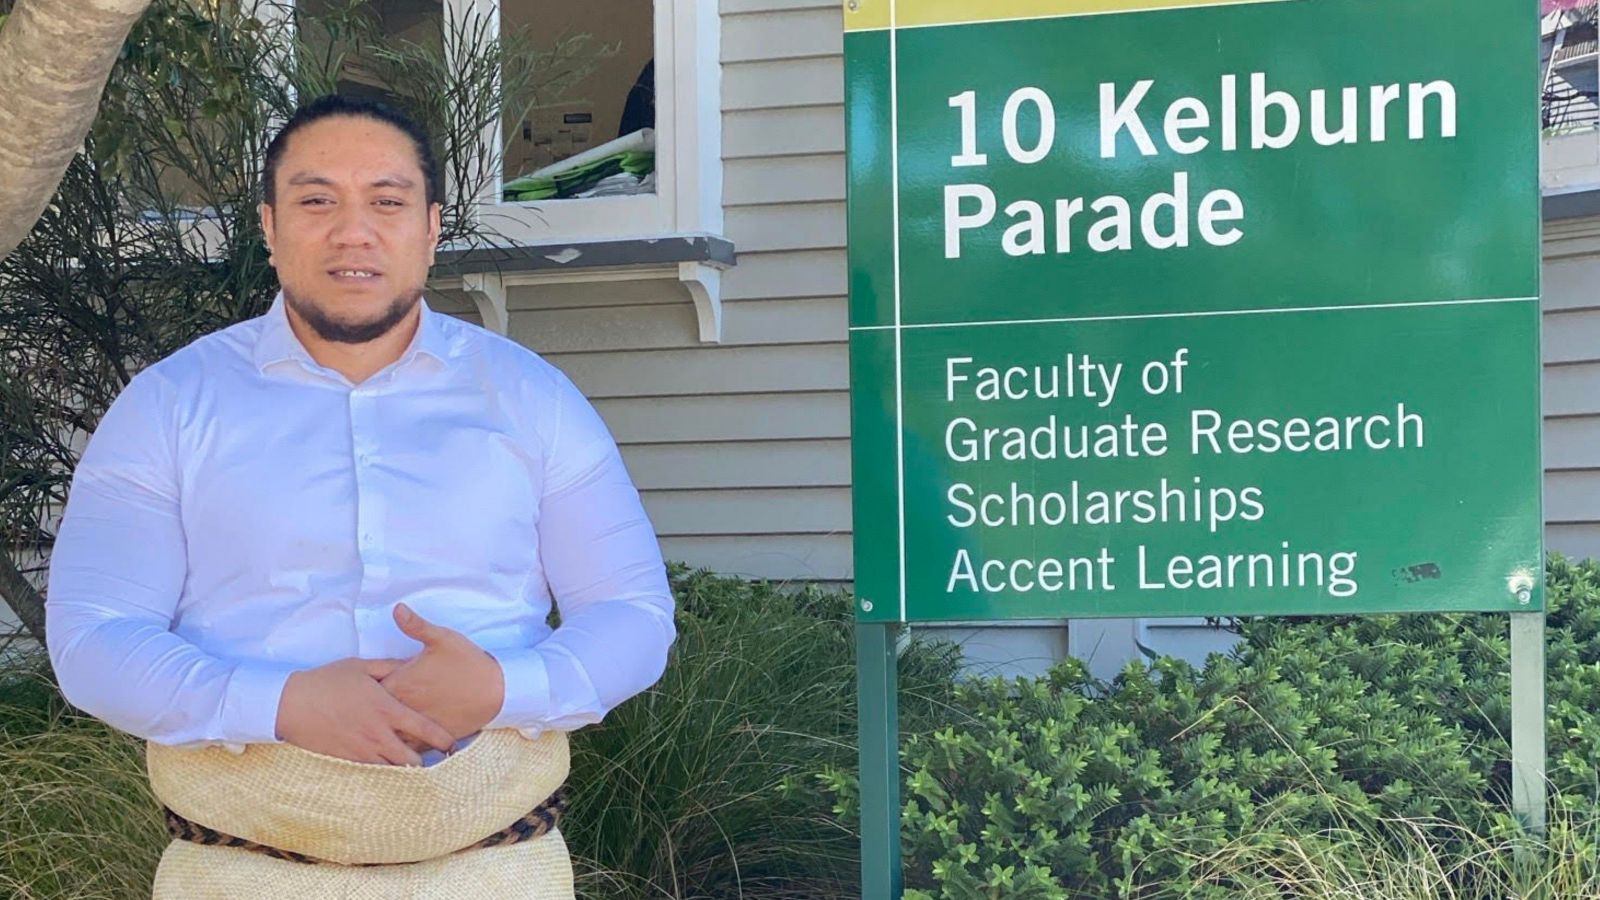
<point>55,56</point>
<point>22,598</point>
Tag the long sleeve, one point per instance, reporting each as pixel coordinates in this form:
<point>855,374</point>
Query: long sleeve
<point>116,575</point>
<point>604,567</point>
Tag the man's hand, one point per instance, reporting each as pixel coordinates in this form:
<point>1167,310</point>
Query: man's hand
<point>342,710</point>
<point>452,681</point>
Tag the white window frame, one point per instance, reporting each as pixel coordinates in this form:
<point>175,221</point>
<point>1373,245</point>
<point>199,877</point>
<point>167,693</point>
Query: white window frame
<point>688,196</point>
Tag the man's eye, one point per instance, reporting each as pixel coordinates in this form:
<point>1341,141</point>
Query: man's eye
<point>315,201</point>
<point>390,201</point>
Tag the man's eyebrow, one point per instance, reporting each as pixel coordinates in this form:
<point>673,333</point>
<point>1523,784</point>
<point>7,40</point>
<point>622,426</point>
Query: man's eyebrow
<point>390,181</point>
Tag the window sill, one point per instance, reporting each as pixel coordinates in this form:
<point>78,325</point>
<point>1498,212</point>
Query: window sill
<point>694,260</point>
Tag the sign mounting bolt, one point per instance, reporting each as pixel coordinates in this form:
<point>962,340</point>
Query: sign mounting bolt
<point>1521,585</point>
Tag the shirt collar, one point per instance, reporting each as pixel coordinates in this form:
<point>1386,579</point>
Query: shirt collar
<point>277,341</point>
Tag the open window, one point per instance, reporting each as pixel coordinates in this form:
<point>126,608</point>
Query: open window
<point>597,139</point>
<point>621,176</point>
<point>646,120</point>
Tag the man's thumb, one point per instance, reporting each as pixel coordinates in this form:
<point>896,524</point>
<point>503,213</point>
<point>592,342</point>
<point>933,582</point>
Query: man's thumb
<point>413,625</point>
<point>380,669</point>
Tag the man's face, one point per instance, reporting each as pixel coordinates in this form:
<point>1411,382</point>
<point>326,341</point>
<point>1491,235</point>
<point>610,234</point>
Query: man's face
<point>351,232</point>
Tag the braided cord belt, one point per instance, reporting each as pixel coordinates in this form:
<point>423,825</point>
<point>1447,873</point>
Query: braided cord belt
<point>539,821</point>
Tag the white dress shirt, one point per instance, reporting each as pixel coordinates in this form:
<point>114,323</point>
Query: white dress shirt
<point>243,512</point>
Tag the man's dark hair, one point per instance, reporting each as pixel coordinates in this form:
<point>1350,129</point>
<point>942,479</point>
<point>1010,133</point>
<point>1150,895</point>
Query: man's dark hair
<point>336,105</point>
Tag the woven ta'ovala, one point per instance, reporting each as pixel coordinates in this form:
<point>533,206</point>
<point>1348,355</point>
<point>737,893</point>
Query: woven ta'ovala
<point>391,831</point>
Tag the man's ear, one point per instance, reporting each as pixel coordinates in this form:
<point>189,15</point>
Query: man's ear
<point>268,233</point>
<point>435,217</point>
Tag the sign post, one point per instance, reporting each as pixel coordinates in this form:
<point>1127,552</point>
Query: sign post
<point>1211,307</point>
<point>877,684</point>
<point>1528,787</point>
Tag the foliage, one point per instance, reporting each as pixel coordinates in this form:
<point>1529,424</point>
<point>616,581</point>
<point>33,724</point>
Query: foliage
<point>1357,758</point>
<point>1403,859</point>
<point>1324,741</point>
<point>77,821</point>
<point>700,787</point>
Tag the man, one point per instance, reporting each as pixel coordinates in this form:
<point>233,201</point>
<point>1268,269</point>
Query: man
<point>308,555</point>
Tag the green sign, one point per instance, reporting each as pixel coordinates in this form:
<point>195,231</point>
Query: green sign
<point>1220,309</point>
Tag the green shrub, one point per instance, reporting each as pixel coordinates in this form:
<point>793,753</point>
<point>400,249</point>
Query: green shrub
<point>701,786</point>
<point>1360,758</point>
<point>77,821</point>
<point>1387,728</point>
<point>1404,860</point>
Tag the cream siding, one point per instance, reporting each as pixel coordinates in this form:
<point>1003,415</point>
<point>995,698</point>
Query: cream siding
<point>786,273</point>
<point>779,557</point>
<point>798,131</point>
<point>713,420</point>
<point>1571,305</point>
<point>793,179</point>
<point>783,83</point>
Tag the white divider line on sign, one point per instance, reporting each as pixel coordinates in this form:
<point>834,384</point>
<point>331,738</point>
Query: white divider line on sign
<point>899,379</point>
<point>1410,304</point>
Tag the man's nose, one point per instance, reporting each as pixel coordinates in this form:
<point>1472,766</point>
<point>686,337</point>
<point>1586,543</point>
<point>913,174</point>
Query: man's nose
<point>353,226</point>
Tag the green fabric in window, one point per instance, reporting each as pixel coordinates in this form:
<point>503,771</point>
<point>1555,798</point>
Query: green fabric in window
<point>572,182</point>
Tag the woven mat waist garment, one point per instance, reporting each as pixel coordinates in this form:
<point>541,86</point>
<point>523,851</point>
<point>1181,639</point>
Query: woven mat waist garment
<point>358,814</point>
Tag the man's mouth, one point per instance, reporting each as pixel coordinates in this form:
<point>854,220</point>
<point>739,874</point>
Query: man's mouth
<point>355,274</point>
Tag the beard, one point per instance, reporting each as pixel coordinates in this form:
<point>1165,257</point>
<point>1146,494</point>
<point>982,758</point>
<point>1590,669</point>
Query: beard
<point>335,331</point>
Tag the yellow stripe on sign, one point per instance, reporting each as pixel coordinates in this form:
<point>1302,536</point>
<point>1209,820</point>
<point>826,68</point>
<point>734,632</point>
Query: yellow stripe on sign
<point>865,15</point>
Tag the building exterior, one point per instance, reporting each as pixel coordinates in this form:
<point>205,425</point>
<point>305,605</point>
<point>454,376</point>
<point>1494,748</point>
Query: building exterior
<point>740,445</point>
<point>707,319</point>
<point>1567,63</point>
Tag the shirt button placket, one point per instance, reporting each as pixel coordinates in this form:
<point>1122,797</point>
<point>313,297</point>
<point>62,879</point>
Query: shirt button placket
<point>369,516</point>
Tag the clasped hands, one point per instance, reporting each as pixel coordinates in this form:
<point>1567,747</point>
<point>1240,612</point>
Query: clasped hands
<point>386,710</point>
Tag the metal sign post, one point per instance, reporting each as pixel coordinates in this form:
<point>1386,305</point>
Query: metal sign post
<point>1529,791</point>
<point>877,704</point>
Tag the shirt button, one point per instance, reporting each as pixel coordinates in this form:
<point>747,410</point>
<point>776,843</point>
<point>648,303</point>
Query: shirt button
<point>366,540</point>
<point>366,459</point>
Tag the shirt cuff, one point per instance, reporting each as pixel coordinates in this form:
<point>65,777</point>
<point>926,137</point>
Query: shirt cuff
<point>250,703</point>
<point>527,681</point>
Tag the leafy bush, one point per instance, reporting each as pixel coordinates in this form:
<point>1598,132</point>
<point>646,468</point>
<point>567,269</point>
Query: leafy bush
<point>1404,860</point>
<point>701,787</point>
<point>1359,758</point>
<point>1387,731</point>
<point>77,821</point>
